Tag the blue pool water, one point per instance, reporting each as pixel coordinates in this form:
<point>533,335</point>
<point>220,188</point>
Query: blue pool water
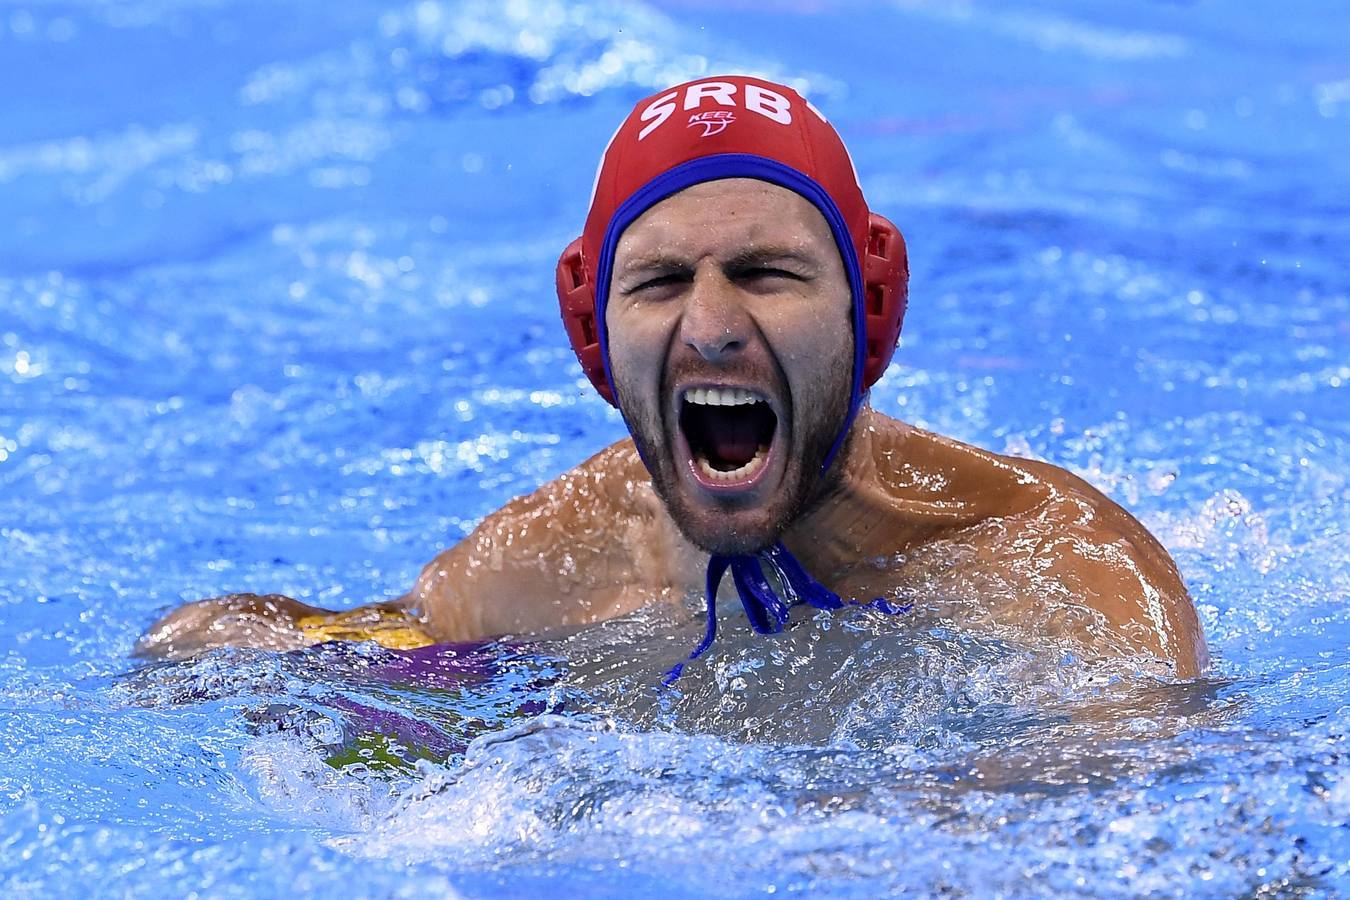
<point>276,314</point>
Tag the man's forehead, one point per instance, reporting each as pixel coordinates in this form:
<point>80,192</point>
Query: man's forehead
<point>733,210</point>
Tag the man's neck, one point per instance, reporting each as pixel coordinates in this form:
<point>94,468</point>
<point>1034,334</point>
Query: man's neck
<point>859,515</point>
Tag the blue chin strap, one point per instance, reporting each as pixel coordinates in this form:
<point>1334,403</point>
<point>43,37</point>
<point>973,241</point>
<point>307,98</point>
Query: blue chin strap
<point>765,606</point>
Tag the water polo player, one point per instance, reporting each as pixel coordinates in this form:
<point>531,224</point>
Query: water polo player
<point>733,295</point>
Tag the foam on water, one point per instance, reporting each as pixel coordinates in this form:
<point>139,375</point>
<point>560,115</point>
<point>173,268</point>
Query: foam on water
<point>276,315</point>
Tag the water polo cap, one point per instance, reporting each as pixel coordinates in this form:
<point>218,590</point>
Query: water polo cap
<point>733,126</point>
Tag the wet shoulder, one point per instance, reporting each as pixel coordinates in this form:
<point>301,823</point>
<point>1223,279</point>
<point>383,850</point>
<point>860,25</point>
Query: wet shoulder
<point>577,549</point>
<point>600,505</point>
<point>923,466</point>
<point>1040,532</point>
<point>612,483</point>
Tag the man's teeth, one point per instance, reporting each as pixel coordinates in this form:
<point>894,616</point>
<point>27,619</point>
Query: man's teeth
<point>738,474</point>
<point>721,397</point>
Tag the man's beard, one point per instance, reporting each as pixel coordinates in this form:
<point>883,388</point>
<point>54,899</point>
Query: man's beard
<point>800,487</point>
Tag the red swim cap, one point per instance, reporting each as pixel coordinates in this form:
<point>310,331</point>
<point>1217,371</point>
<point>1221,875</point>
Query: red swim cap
<point>733,126</point>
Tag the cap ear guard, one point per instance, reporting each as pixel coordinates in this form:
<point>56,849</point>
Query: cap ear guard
<point>576,297</point>
<point>885,296</point>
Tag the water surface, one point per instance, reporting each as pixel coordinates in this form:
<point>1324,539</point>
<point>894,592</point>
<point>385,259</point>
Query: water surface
<point>276,314</point>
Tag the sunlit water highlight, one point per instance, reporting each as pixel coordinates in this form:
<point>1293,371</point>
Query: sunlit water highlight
<point>276,315</point>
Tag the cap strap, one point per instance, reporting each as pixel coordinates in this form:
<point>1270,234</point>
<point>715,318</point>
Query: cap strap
<point>766,610</point>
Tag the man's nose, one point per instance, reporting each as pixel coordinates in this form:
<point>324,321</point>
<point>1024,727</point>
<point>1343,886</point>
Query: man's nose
<point>715,323</point>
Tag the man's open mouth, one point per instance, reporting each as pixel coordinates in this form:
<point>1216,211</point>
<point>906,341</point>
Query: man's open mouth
<point>730,432</point>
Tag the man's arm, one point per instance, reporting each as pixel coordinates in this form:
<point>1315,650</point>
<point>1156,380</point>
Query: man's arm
<point>1106,559</point>
<point>267,621</point>
<point>591,544</point>
<point>1051,553</point>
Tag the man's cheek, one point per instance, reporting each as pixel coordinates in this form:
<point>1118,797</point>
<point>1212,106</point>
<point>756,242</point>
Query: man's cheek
<point>633,355</point>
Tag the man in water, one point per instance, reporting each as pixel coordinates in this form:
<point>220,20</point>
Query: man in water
<point>734,297</point>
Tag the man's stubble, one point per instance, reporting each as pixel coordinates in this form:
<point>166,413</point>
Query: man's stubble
<point>803,484</point>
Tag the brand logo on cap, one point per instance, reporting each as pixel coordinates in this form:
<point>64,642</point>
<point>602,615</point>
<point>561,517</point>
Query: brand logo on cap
<point>714,122</point>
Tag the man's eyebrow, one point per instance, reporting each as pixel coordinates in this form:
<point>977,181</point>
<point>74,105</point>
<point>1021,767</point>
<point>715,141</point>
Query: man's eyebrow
<point>753,257</point>
<point>653,261</point>
<point>656,259</point>
<point>749,258</point>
